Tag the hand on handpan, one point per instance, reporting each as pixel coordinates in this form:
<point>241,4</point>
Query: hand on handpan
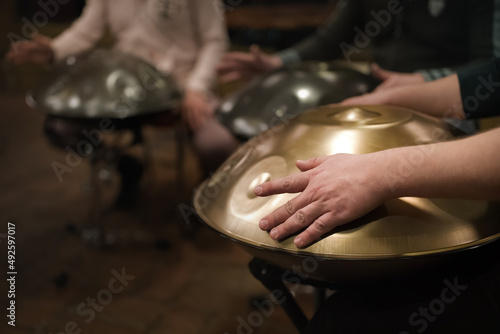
<point>373,98</point>
<point>246,65</point>
<point>391,79</point>
<point>392,84</point>
<point>334,190</point>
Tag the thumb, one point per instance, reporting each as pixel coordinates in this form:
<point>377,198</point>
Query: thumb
<point>380,73</point>
<point>305,165</point>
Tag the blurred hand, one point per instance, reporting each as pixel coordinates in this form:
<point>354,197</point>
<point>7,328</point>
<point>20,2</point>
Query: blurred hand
<point>196,109</point>
<point>374,98</point>
<point>246,65</point>
<point>334,190</point>
<point>392,79</point>
<point>38,51</point>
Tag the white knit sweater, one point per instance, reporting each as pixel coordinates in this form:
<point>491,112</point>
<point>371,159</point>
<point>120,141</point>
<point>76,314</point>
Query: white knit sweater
<point>183,37</point>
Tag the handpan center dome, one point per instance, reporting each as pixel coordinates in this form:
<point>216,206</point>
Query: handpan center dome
<point>355,115</point>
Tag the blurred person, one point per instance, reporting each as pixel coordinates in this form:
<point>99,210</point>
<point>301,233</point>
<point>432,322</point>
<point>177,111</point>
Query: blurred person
<point>428,39</point>
<point>184,38</point>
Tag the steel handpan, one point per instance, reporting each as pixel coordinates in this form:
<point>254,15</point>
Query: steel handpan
<point>104,84</point>
<point>401,235</point>
<point>287,92</point>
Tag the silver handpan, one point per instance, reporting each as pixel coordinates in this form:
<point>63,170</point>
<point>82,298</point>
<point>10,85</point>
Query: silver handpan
<point>280,95</point>
<point>104,84</point>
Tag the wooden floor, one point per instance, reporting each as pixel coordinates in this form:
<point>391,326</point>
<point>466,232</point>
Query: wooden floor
<point>200,285</point>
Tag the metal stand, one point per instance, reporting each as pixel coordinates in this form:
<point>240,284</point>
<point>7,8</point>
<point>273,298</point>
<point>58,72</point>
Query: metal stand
<point>270,276</point>
<point>106,157</point>
<point>103,160</point>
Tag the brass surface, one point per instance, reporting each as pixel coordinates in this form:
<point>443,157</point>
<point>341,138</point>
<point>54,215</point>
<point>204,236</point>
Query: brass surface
<point>104,84</point>
<point>399,229</point>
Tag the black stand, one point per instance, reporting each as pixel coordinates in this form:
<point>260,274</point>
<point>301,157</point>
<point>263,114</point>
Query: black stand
<point>271,277</point>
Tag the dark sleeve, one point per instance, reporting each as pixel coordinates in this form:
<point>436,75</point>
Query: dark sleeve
<point>481,34</point>
<point>325,43</point>
<point>480,16</point>
<point>480,89</point>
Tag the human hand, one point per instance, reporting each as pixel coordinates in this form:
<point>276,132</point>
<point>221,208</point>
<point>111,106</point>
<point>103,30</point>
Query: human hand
<point>374,98</point>
<point>38,51</point>
<point>334,190</point>
<point>196,109</point>
<point>391,79</point>
<point>246,65</point>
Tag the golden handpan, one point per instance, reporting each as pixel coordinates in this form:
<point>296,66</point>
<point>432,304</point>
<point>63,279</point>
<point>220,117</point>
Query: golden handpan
<point>400,236</point>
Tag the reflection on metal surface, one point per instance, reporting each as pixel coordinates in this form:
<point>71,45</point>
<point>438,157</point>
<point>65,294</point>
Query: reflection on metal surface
<point>104,84</point>
<point>356,115</point>
<point>288,92</point>
<point>400,229</point>
<point>242,205</point>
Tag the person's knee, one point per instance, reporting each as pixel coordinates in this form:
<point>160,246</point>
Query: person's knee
<point>214,138</point>
<point>213,144</point>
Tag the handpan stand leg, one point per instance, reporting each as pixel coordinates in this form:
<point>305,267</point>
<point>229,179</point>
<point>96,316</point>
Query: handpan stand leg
<point>271,277</point>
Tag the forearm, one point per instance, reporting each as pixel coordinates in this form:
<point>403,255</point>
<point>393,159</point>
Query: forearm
<point>214,42</point>
<point>83,33</point>
<point>203,75</point>
<point>465,168</point>
<point>471,93</point>
<point>440,98</point>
